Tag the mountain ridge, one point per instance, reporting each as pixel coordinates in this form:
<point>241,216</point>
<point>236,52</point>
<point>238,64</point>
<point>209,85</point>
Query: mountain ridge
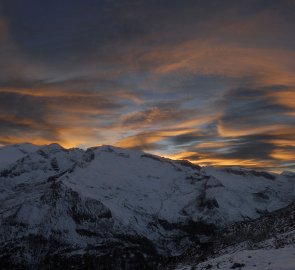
<point>106,199</point>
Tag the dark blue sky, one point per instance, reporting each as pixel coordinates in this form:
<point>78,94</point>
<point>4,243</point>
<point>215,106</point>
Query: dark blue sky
<point>212,81</point>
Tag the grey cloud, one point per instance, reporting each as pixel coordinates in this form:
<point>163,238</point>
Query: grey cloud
<point>253,107</point>
<point>249,147</point>
<point>22,106</point>
<point>187,138</point>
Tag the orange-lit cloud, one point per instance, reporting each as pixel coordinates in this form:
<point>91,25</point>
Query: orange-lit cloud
<point>286,98</point>
<point>212,145</point>
<point>284,154</point>
<point>144,140</point>
<point>249,130</point>
<point>210,83</point>
<point>204,160</point>
<point>283,142</point>
<point>268,66</point>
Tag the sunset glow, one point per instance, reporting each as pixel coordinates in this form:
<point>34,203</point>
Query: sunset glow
<point>208,81</point>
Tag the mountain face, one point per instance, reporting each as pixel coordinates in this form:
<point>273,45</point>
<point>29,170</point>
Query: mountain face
<point>112,208</point>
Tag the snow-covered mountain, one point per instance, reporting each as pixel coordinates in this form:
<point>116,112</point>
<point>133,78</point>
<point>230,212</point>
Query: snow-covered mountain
<point>119,208</point>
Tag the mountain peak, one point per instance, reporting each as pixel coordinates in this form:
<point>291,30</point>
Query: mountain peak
<point>52,147</point>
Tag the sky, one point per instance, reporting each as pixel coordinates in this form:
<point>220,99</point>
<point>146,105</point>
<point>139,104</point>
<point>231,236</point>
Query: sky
<point>205,80</point>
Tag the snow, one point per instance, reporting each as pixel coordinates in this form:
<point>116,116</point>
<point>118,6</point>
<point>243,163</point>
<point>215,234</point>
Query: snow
<point>128,181</point>
<point>125,180</point>
<point>243,194</point>
<point>11,153</point>
<point>262,259</point>
<point>288,174</point>
<point>138,189</point>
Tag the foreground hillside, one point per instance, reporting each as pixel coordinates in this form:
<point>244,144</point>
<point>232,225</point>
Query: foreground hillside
<point>112,208</point>
<point>264,243</point>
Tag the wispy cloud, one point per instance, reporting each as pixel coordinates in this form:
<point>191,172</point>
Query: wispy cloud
<point>211,81</point>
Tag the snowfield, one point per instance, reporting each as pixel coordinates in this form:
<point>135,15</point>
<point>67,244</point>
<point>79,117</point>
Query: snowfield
<point>262,259</point>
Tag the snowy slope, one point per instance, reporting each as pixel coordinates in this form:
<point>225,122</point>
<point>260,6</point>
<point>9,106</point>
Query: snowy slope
<point>11,153</point>
<point>80,198</point>
<point>140,188</point>
<point>265,243</point>
<point>262,259</point>
<point>247,194</point>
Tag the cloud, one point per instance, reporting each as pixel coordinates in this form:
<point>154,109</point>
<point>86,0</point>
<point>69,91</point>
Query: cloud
<point>286,98</point>
<point>46,116</point>
<point>157,116</point>
<point>284,153</point>
<point>3,30</point>
<point>209,150</point>
<point>212,81</point>
<point>249,111</point>
<point>207,160</point>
